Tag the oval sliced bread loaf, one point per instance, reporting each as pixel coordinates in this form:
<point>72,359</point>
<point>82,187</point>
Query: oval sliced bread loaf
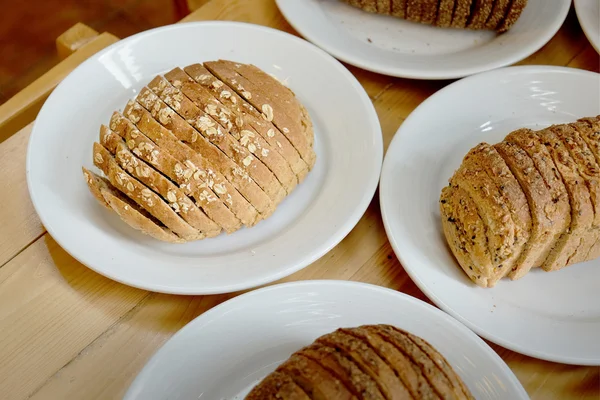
<point>498,15</point>
<point>535,199</point>
<point>373,362</point>
<point>191,156</point>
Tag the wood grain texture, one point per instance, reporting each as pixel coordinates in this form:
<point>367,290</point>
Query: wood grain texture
<point>68,332</point>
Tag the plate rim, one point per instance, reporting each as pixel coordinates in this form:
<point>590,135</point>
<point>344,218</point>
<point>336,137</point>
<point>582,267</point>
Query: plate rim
<point>409,73</point>
<point>293,266</point>
<point>595,42</point>
<point>426,289</point>
<point>317,283</point>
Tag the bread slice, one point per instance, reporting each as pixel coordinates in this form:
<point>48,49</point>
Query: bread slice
<point>582,213</point>
<point>314,379</point>
<point>281,97</point>
<point>127,210</point>
<point>240,190</point>
<point>228,140</point>
<point>558,211</point>
<point>409,373</point>
<point>497,14</point>
<point>368,360</point>
<point>244,210</point>
<point>277,386</point>
<point>414,10</point>
<point>171,193</point>
<point>500,228</point>
<point>399,8</point>
<point>466,236</point>
<point>383,7</point>
<point>429,11</point>
<point>250,162</point>
<point>252,117</point>
<point>462,11</point>
<point>238,182</point>
<point>440,383</point>
<point>459,386</point>
<point>589,129</point>
<point>544,212</point>
<point>445,11</point>
<point>260,93</point>
<point>481,10</point>
<point>512,196</point>
<point>192,183</point>
<point>143,196</point>
<point>251,138</point>
<point>512,15</point>
<point>358,382</point>
<point>369,5</point>
<point>589,171</point>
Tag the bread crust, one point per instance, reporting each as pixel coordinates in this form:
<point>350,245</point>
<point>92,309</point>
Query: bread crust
<point>543,212</point>
<point>497,14</point>
<point>399,8</point>
<point>409,373</point>
<point>257,92</point>
<point>358,382</point>
<point>582,214</point>
<point>368,360</point>
<point>250,137</point>
<point>480,14</point>
<point>462,10</point>
<point>445,11</point>
<point>513,14</point>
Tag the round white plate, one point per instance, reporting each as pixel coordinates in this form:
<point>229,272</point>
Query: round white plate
<point>588,12</point>
<point>549,315</point>
<point>224,352</point>
<point>317,215</point>
<point>396,47</point>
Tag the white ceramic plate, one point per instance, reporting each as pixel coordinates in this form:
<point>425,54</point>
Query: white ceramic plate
<point>406,49</point>
<point>553,316</point>
<point>224,352</point>
<point>588,12</point>
<point>318,214</point>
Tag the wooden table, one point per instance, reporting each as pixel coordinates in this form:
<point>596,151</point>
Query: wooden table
<point>68,333</point>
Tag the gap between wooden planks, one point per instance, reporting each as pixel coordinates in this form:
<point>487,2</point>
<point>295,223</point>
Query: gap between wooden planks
<point>134,323</point>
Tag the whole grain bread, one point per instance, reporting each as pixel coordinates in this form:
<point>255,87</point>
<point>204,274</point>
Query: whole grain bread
<point>399,8</point>
<point>497,14</point>
<point>445,11</point>
<point>512,15</point>
<point>350,374</point>
<point>480,14</point>
<point>462,11</point>
<point>278,386</point>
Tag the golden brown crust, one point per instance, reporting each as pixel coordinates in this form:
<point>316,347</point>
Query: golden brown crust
<point>346,370</point>
<point>462,10</point>
<point>582,213</point>
<point>181,174</point>
<point>288,120</point>
<point>429,11</point>
<point>444,16</point>
<point>500,228</point>
<point>497,14</point>
<point>143,196</point>
<point>165,139</point>
<point>409,373</point>
<point>277,386</point>
<point>480,14</point>
<point>249,136</point>
<point>414,10</point>
<point>514,12</point>
<point>465,234</point>
<point>399,8</point>
<point>543,211</point>
<point>236,151</point>
<point>430,370</point>
<point>368,360</point>
<point>314,379</point>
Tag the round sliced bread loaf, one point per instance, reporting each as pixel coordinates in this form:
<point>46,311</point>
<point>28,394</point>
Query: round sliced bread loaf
<point>198,157</point>
<point>372,362</point>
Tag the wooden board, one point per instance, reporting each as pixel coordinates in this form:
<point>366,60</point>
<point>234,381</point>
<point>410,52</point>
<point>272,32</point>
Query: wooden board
<point>69,333</point>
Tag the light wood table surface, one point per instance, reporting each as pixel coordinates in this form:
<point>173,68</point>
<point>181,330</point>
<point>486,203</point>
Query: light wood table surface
<point>68,333</point>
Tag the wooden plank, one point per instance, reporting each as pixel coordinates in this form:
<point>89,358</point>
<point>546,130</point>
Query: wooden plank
<point>22,108</point>
<point>587,59</point>
<point>73,39</point>
<point>20,223</point>
<point>51,308</point>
